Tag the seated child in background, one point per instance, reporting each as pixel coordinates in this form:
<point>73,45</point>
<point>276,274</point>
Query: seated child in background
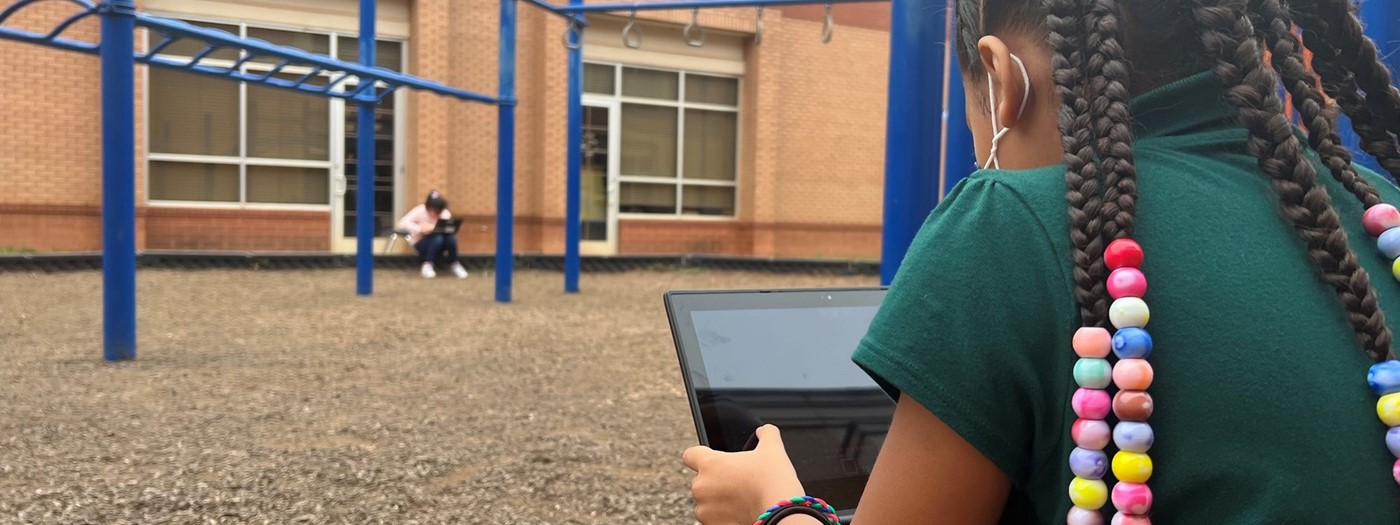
<point>419,223</point>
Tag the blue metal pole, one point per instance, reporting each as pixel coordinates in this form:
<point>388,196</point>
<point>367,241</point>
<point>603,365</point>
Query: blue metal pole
<point>914,129</point>
<point>118,180</point>
<point>505,161</point>
<point>1382,21</point>
<point>959,156</point>
<point>364,156</point>
<point>573,211</point>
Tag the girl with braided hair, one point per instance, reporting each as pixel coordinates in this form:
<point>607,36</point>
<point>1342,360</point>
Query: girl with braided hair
<point>1129,140</point>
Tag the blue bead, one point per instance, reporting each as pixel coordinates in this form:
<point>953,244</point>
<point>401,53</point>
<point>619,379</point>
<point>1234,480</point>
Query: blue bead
<point>1392,441</point>
<point>1389,243</point>
<point>1132,343</point>
<point>1133,436</point>
<point>1384,377</point>
<point>1088,464</point>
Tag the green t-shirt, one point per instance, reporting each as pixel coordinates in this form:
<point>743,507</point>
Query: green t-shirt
<point>1263,414</point>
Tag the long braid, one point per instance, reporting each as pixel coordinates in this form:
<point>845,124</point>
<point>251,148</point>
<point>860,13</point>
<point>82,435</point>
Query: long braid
<point>1066,40</point>
<point>1321,21</point>
<point>1107,80</point>
<point>1274,26</point>
<point>1228,36</point>
<point>1359,55</point>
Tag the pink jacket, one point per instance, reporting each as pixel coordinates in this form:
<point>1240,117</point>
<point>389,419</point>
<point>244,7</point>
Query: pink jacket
<point>419,221</point>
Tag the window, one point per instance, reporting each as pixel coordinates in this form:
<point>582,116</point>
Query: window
<point>679,138</point>
<point>215,141</point>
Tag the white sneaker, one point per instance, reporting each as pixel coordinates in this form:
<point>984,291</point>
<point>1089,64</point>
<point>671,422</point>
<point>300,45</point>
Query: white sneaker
<point>428,272</point>
<point>459,271</point>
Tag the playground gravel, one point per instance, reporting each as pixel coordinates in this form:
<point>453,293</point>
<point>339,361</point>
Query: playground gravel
<point>275,397</point>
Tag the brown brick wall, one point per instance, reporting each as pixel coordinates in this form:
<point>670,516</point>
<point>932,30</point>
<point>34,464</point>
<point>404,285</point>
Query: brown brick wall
<point>237,230</point>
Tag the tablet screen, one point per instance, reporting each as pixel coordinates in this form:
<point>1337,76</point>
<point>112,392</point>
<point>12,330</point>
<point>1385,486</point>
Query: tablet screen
<point>785,358</point>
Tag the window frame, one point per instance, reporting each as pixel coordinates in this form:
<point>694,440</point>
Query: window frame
<point>243,160</point>
<point>681,105</point>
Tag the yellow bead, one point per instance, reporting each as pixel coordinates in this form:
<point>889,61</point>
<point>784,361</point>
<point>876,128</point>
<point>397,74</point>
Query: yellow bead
<point>1091,494</point>
<point>1388,408</point>
<point>1128,312</point>
<point>1132,467</point>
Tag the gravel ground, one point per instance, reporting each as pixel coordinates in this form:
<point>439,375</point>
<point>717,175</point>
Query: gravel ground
<point>280,397</point>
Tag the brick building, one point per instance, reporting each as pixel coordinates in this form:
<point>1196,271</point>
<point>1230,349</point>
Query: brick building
<point>769,150</point>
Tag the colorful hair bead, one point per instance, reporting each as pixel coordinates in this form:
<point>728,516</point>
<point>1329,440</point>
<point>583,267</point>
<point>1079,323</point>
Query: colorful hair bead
<point>1384,377</point>
<point>1395,471</point>
<point>1093,373</point>
<point>1132,405</point>
<point>1083,516</point>
<point>1125,253</point>
<point>1125,519</point>
<point>1088,464</point>
<point>1091,494</point>
<point>1132,467</point>
<point>1134,436</point>
<point>1132,343</point>
<point>1133,374</point>
<point>1092,342</point>
<point>1128,312</point>
<point>1127,282</point>
<point>1388,408</point>
<point>1090,403</point>
<point>1380,218</point>
<point>1392,441</point>
<point>1092,434</point>
<point>1395,269</point>
<point>1389,243</point>
<point>1132,498</point>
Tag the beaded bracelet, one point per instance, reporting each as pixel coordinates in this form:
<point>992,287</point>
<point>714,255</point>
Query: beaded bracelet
<point>808,505</point>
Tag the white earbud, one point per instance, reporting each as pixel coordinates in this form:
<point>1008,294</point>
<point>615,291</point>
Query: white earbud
<point>999,132</point>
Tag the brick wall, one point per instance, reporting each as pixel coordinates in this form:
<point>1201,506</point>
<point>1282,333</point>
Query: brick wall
<point>810,170</point>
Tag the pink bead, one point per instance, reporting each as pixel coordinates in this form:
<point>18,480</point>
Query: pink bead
<point>1395,471</point>
<point>1132,498</point>
<point>1124,519</point>
<point>1091,404</point>
<point>1380,218</point>
<point>1082,516</point>
<point>1091,434</point>
<point>1092,342</point>
<point>1127,282</point>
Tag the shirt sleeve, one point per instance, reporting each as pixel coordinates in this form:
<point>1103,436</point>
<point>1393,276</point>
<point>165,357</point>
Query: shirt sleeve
<point>975,325</point>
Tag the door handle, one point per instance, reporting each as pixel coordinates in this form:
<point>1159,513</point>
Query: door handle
<point>339,184</point>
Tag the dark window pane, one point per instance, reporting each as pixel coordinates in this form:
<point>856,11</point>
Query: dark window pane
<point>310,42</point>
<point>711,150</point>
<point>186,47</point>
<point>388,55</point>
<point>711,90</point>
<point>648,198</point>
<point>598,78</point>
<point>187,181</point>
<point>707,200</point>
<point>285,124</point>
<point>280,185</point>
<point>192,114</point>
<point>649,140</point>
<point>650,83</point>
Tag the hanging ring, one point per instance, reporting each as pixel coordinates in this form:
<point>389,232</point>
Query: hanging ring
<point>828,25</point>
<point>694,34</point>
<point>632,33</point>
<point>573,36</point>
<point>758,28</point>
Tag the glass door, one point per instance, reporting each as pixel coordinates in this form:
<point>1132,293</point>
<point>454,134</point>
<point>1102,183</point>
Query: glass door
<point>599,178</point>
<point>345,201</point>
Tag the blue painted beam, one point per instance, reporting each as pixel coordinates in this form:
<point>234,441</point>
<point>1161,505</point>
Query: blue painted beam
<point>573,206</point>
<point>915,124</point>
<point>118,180</point>
<point>364,157</point>
<point>505,156</point>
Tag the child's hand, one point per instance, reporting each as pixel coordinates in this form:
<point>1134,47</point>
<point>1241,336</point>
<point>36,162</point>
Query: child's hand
<point>737,487</point>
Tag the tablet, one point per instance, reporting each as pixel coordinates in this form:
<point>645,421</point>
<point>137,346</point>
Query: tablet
<point>783,357</point>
